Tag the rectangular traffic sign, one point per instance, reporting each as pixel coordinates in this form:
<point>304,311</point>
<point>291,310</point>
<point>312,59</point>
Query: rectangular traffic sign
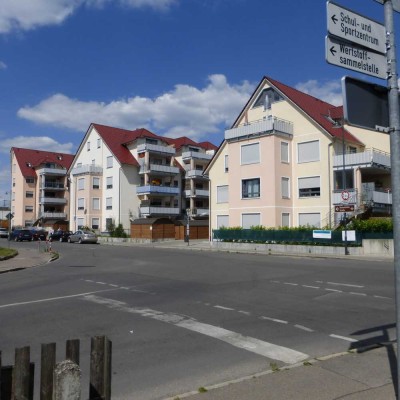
<point>348,25</point>
<point>348,55</point>
<point>349,208</point>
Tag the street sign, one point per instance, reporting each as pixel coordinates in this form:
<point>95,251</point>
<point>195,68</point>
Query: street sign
<point>348,25</point>
<point>365,105</point>
<point>343,209</point>
<point>396,4</point>
<point>345,195</point>
<point>348,55</point>
<point>10,216</point>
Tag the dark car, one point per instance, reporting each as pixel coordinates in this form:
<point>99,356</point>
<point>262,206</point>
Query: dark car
<point>39,234</point>
<point>3,233</point>
<point>21,234</point>
<point>61,236</point>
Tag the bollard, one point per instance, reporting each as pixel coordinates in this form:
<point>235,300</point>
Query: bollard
<point>67,381</point>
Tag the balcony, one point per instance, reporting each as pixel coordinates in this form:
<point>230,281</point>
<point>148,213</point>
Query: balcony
<point>196,193</point>
<point>87,169</point>
<point>52,200</point>
<point>158,169</point>
<point>52,185</point>
<point>155,189</point>
<point>188,155</point>
<point>51,171</point>
<point>158,210</point>
<point>367,158</point>
<point>53,215</point>
<point>154,148</point>
<point>264,126</point>
<point>367,196</point>
<point>195,173</point>
<point>337,197</point>
<point>199,212</point>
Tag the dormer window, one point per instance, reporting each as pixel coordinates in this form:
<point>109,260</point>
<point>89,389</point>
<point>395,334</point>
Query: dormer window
<point>266,98</point>
<point>151,141</point>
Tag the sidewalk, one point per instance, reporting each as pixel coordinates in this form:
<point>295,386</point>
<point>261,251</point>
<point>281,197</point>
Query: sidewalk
<point>26,258</point>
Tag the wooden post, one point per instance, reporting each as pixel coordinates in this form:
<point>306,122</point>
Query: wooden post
<point>72,350</point>
<point>100,369</point>
<point>22,379</point>
<point>67,381</point>
<point>48,362</point>
<point>6,383</point>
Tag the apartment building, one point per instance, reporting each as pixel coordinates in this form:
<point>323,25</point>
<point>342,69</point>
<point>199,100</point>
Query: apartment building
<point>39,193</point>
<point>120,175</point>
<point>288,160</point>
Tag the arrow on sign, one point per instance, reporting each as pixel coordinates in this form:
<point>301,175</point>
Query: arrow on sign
<point>332,50</point>
<point>334,19</point>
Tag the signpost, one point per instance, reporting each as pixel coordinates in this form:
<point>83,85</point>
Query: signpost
<point>348,55</point>
<point>344,209</point>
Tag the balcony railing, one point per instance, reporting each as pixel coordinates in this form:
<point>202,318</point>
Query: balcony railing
<point>199,212</point>
<point>52,185</point>
<point>87,169</point>
<point>367,158</point>
<point>52,171</point>
<point>365,197</point>
<point>52,200</point>
<point>195,173</point>
<point>53,215</point>
<point>188,155</point>
<point>269,125</point>
<point>157,210</point>
<point>154,148</point>
<point>154,189</point>
<point>160,169</point>
<point>196,193</point>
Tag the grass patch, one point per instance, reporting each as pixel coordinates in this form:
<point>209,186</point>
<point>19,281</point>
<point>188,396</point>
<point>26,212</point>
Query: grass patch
<point>5,252</point>
<point>274,367</point>
<point>202,389</point>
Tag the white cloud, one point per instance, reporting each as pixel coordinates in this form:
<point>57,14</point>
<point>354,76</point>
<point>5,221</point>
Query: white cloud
<point>3,65</point>
<point>186,110</point>
<point>328,91</point>
<point>35,142</point>
<point>31,14</point>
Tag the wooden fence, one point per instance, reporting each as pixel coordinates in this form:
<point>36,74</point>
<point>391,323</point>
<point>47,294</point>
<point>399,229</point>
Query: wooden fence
<point>58,381</point>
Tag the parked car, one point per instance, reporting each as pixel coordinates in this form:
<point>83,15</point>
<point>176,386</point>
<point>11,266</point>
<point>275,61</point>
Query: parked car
<point>83,237</point>
<point>39,234</point>
<point>61,236</point>
<point>21,234</point>
<point>3,233</point>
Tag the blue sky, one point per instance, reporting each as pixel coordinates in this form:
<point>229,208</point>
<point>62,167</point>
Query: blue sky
<point>176,67</point>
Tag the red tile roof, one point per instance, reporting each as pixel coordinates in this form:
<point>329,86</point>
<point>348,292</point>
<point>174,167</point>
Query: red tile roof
<point>29,159</point>
<point>317,109</point>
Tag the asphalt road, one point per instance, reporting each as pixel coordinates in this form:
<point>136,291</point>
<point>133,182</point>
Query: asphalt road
<point>180,320</point>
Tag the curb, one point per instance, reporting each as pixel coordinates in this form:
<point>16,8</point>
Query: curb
<point>4,258</point>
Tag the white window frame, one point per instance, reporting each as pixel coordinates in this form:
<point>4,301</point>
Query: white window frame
<point>28,209</point>
<point>259,188</point>
<point>109,182</point>
<point>216,221</point>
<point>81,184</point>
<point>88,146</point>
<point>80,204</point>
<point>250,213</point>
<point>226,163</point>
<point>288,216</point>
<point>98,143</point>
<point>286,179</point>
<point>110,161</point>
<point>316,159</point>
<point>98,223</point>
<point>108,203</point>
<point>94,205</point>
<point>308,177</point>
<point>288,152</point>
<point>95,188</point>
<point>227,194</point>
<point>316,213</point>
<point>253,161</point>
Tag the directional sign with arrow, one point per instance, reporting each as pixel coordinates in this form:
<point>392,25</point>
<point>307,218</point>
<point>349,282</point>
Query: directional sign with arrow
<point>348,55</point>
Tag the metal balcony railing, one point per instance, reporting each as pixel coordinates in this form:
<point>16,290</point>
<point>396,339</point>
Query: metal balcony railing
<point>87,169</point>
<point>154,148</point>
<point>195,173</point>
<point>268,125</point>
<point>161,169</point>
<point>188,155</point>
<point>158,210</point>
<point>52,185</point>
<point>52,200</point>
<point>367,158</point>
<point>154,189</point>
<point>53,215</point>
<point>51,171</point>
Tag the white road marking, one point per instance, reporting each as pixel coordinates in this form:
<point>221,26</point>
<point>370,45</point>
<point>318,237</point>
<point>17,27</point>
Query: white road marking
<point>358,294</point>
<point>124,287</point>
<point>344,284</point>
<point>311,287</point>
<point>53,298</point>
<point>343,338</point>
<point>334,290</point>
<point>254,345</point>
<point>113,285</point>
<point>289,283</point>
<point>275,281</point>
<point>304,328</point>
<point>382,297</point>
<point>101,283</point>
<point>224,308</point>
<point>244,312</point>
<point>280,321</point>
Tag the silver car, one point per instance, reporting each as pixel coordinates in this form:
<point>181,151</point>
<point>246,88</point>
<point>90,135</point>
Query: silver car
<point>83,237</point>
<point>3,233</point>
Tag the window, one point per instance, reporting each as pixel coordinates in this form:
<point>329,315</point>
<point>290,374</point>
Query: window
<point>109,162</point>
<point>226,163</point>
<point>96,183</point>
<point>284,152</point>
<point>310,219</point>
<point>14,168</point>
<point>28,208</point>
<point>29,195</point>
<point>96,203</point>
<point>30,180</point>
<point>250,153</point>
<point>13,181</point>
<point>95,223</point>
<point>308,151</point>
<point>80,222</point>
<point>28,222</point>
<point>81,203</point>
<point>109,224</point>
<point>98,143</point>
<point>309,187</point>
<point>222,221</point>
<point>267,97</point>
<point>81,183</point>
<point>250,188</point>
<point>79,164</point>
<point>222,194</point>
<point>93,162</point>
<point>285,188</point>
<point>13,196</point>
<point>285,220</point>
<point>109,182</point>
<point>109,203</point>
<point>88,146</point>
<point>194,149</point>
<point>249,220</point>
<point>338,179</point>
<point>151,141</point>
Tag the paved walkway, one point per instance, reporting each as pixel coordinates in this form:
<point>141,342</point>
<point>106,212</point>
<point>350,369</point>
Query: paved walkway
<point>366,375</point>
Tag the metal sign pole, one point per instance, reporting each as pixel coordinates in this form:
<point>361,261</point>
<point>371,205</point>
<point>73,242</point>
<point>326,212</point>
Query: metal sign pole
<point>394,121</point>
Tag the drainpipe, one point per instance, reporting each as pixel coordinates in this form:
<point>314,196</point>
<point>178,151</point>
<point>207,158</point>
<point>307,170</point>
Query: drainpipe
<point>329,184</point>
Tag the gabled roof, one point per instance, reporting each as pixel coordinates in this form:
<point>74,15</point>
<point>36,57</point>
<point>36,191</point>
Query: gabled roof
<point>208,146</point>
<point>316,109</point>
<point>28,159</point>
